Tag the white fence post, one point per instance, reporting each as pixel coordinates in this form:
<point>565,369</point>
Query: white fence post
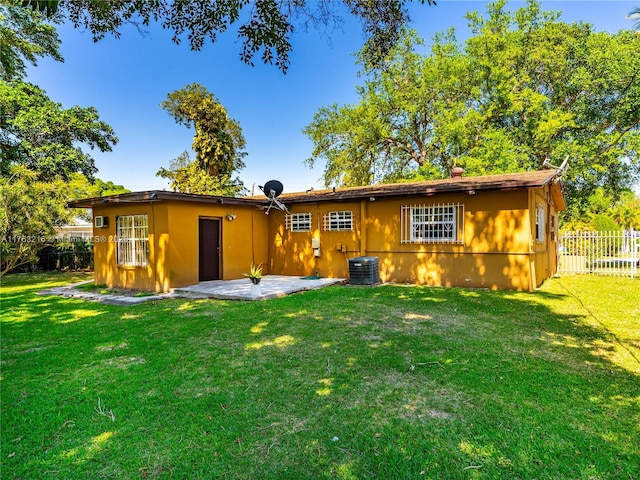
<point>635,251</point>
<point>602,253</point>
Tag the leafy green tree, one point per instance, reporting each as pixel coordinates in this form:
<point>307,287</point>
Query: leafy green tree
<point>188,176</point>
<point>34,130</point>
<point>47,138</point>
<point>100,188</point>
<point>42,144</point>
<point>623,211</point>
<point>552,90</point>
<point>267,30</point>
<point>524,87</point>
<point>604,223</point>
<point>604,212</point>
<point>409,116</point>
<point>29,211</point>
<point>626,212</point>
<point>79,187</point>
<point>24,36</point>
<point>218,140</point>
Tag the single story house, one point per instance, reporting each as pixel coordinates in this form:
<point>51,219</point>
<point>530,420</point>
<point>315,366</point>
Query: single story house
<point>78,229</point>
<point>495,231</point>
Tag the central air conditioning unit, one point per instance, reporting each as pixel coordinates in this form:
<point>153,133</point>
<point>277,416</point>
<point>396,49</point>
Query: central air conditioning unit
<point>364,271</point>
<point>101,222</point>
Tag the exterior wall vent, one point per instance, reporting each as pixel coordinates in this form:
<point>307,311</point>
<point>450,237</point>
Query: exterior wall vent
<point>364,271</point>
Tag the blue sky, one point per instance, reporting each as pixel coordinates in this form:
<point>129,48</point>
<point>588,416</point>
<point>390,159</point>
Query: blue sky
<point>127,78</point>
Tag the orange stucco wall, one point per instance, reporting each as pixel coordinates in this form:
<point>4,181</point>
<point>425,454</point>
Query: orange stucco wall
<point>173,243</point>
<point>243,240</point>
<point>544,259</point>
<point>497,251</point>
<point>105,248</point>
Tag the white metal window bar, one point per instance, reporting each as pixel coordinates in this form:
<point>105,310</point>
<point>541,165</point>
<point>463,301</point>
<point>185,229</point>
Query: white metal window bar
<point>437,223</point>
<point>298,222</point>
<point>338,221</point>
<point>133,240</point>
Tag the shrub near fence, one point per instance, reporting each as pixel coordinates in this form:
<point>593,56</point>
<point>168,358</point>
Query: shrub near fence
<point>76,255</point>
<point>605,253</point>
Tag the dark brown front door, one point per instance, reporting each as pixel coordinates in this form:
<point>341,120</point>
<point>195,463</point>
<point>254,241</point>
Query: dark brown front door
<point>209,249</point>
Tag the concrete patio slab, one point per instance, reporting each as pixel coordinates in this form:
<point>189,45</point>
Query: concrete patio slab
<point>272,286</point>
<point>72,291</point>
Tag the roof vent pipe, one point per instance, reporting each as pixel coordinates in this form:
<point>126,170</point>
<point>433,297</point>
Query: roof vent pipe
<point>456,172</point>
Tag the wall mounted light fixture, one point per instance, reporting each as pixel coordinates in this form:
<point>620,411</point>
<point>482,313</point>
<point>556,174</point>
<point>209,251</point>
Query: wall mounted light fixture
<point>230,216</point>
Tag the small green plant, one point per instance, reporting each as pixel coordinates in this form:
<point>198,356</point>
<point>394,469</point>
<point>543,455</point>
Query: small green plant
<point>255,273</point>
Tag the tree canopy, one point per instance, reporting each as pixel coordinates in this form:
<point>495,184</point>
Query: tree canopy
<point>24,36</point>
<point>218,143</point>
<point>43,146</point>
<point>34,130</point>
<point>524,87</point>
<point>30,209</point>
<point>49,139</point>
<point>265,26</point>
<point>187,176</point>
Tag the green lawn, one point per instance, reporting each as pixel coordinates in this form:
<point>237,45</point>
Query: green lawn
<point>393,382</point>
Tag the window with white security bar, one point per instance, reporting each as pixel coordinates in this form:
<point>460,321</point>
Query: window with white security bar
<point>133,240</point>
<point>338,221</point>
<point>438,223</point>
<point>298,222</point>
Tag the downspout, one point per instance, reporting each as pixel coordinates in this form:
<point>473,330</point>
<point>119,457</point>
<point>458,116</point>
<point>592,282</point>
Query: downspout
<point>253,240</point>
<point>156,246</point>
<point>363,227</point>
<point>317,259</point>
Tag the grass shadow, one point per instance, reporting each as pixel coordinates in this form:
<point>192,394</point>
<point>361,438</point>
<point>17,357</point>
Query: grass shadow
<point>385,382</point>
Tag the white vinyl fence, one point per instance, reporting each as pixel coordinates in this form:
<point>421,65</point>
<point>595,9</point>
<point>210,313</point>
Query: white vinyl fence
<point>603,253</point>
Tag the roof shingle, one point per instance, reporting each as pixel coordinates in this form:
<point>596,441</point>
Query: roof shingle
<point>507,181</point>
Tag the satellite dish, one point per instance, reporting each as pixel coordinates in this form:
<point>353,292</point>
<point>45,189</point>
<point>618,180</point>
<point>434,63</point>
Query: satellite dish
<point>273,189</point>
